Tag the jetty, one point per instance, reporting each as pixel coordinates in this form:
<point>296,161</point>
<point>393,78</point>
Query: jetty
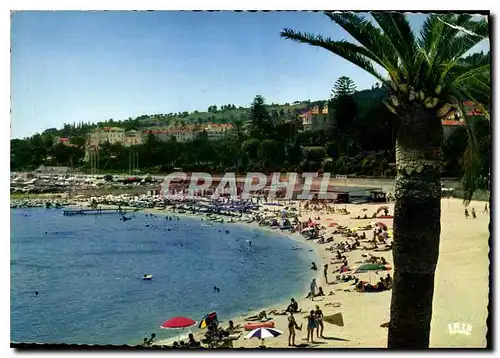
<point>97,211</point>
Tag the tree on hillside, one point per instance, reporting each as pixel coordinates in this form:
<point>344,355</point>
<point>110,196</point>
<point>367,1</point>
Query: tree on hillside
<point>260,120</point>
<point>427,75</point>
<point>344,86</point>
<point>343,111</point>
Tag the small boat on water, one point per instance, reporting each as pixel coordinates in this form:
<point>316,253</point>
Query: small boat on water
<point>147,277</point>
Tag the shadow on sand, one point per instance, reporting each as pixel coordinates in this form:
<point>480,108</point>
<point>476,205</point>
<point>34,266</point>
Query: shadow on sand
<point>335,339</point>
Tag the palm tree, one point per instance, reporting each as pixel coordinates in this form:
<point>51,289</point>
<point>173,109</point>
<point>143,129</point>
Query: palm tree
<point>427,76</point>
<point>238,126</point>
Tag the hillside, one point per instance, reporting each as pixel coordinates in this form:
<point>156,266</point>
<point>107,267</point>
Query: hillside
<point>214,114</point>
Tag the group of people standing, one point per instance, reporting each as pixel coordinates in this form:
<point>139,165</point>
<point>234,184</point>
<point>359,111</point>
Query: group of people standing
<point>473,211</point>
<point>314,321</point>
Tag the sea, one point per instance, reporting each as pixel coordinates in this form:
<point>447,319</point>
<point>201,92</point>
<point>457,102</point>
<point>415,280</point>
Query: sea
<point>88,273</point>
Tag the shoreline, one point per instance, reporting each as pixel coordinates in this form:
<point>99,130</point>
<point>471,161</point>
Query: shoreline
<point>463,256</point>
<point>240,319</point>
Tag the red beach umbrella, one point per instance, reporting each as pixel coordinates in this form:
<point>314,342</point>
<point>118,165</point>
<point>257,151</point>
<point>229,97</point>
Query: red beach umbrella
<point>178,322</point>
<point>382,225</point>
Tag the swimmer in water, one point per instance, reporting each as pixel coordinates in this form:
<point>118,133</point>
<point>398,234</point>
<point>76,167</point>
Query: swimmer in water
<point>250,243</point>
<point>36,293</point>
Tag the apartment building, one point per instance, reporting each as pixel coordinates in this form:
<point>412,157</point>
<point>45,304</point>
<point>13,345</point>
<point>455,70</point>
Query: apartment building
<point>212,131</point>
<point>217,131</point>
<point>133,137</point>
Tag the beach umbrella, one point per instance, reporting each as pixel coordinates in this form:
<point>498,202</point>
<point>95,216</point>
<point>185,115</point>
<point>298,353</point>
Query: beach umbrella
<point>381,209</point>
<point>178,323</point>
<point>372,267</point>
<point>208,320</point>
<point>382,225</point>
<point>263,333</point>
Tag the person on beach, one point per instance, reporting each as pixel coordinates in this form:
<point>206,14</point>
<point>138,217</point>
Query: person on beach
<point>151,339</point>
<point>292,326</point>
<point>293,306</point>
<point>388,281</point>
<point>145,343</point>
<point>325,272</point>
<point>466,213</point>
<point>485,211</point>
<point>313,266</point>
<point>192,343</point>
<point>320,292</point>
<point>311,325</point>
<point>319,319</point>
<point>381,285</point>
<point>473,213</point>
<point>313,289</point>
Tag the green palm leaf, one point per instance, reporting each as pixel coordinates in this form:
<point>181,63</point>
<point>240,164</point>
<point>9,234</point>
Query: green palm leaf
<point>351,52</point>
<point>401,37</point>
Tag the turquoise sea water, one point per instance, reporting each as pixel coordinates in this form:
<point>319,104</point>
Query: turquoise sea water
<point>87,271</point>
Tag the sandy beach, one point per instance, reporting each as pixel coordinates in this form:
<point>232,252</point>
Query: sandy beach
<point>461,290</point>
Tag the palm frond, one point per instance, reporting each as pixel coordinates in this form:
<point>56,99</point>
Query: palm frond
<point>480,75</point>
<point>350,52</point>
<point>369,37</point>
<point>400,35</point>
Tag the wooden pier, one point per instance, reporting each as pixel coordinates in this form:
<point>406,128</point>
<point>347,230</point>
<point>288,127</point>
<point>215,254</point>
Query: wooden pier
<point>97,211</point>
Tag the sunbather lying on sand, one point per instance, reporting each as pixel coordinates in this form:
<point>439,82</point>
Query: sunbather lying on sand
<point>260,317</point>
<point>334,304</point>
<point>362,286</point>
<point>384,248</point>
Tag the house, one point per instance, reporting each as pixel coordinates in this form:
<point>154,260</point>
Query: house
<point>115,135</point>
<point>164,135</point>
<point>61,140</point>
<point>216,131</point>
<point>316,118</point>
<point>132,137</point>
<point>455,119</point>
<point>450,125</point>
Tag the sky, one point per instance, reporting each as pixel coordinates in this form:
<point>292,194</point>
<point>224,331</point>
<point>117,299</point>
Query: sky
<point>91,66</point>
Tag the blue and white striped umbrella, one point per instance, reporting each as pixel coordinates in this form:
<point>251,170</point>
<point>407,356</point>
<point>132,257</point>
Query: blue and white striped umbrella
<point>262,333</point>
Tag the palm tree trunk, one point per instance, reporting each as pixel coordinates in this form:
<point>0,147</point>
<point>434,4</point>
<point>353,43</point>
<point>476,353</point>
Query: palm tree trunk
<point>417,228</point>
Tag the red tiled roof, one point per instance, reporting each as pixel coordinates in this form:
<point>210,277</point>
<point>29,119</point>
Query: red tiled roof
<point>451,122</point>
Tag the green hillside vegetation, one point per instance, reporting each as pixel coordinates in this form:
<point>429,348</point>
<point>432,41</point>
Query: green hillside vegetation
<point>266,138</point>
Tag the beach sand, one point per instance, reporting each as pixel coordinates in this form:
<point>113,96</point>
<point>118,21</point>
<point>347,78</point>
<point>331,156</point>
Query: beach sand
<point>461,286</point>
